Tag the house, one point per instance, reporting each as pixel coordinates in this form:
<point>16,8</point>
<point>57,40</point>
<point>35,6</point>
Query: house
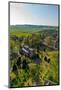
<point>28,51</point>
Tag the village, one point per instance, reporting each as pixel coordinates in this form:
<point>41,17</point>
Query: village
<point>31,51</point>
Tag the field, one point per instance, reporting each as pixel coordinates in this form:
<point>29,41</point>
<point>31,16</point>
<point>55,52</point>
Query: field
<point>33,56</point>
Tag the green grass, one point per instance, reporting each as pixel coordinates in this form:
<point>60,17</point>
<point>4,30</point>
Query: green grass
<point>19,34</point>
<point>44,71</point>
<point>50,71</point>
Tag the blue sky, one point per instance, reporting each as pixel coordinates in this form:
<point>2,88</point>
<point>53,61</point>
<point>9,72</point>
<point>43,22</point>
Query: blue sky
<point>21,13</point>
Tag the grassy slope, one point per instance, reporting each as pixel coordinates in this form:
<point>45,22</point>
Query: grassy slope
<point>47,71</point>
<point>18,33</point>
<point>51,69</point>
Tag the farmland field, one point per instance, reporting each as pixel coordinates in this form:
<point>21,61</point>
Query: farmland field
<point>34,54</point>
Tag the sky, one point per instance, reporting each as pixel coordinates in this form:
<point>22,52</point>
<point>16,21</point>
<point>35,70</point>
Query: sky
<point>35,14</point>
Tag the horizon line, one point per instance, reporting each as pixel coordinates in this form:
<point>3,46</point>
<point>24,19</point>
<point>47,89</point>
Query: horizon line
<point>34,24</point>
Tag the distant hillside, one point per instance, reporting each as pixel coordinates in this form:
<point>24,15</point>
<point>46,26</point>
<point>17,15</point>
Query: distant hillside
<point>48,35</point>
<point>35,26</point>
<point>32,28</point>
